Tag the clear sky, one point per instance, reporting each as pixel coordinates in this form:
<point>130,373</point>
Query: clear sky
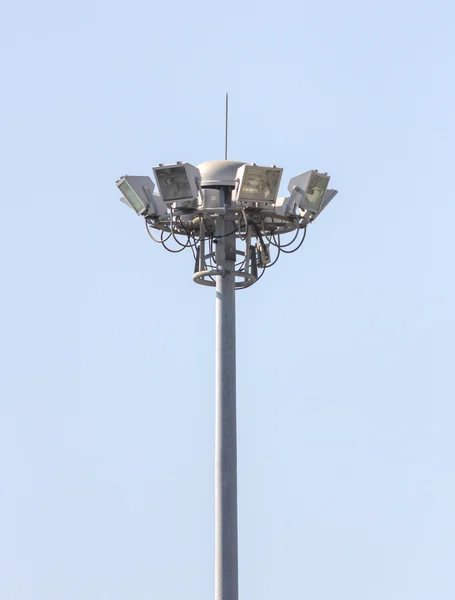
<point>345,349</point>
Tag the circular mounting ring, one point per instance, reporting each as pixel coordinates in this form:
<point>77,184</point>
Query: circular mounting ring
<point>268,221</point>
<point>200,277</point>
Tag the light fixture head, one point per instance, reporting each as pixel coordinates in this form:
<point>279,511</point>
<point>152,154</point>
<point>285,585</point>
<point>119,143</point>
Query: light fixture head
<point>138,194</point>
<point>178,183</point>
<point>257,186</point>
<point>308,189</point>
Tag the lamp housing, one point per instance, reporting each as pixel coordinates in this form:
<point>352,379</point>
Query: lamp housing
<point>257,186</point>
<point>137,191</point>
<point>308,190</point>
<point>179,184</point>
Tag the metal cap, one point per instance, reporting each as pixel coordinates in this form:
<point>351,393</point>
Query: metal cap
<point>219,172</point>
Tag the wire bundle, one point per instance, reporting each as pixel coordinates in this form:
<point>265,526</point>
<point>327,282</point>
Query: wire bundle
<point>267,231</point>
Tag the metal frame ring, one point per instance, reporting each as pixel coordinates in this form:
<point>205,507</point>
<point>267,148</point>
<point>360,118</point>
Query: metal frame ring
<point>199,277</point>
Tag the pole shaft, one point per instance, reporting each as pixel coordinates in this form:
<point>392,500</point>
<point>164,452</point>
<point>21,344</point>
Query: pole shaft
<point>226,544</point>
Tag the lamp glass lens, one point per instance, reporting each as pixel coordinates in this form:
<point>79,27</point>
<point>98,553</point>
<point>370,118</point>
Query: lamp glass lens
<point>260,184</point>
<point>315,191</point>
<point>135,201</point>
<point>174,184</point>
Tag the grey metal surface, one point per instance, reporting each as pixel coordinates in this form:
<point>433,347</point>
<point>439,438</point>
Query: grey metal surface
<point>226,543</point>
<point>226,130</point>
<point>219,172</point>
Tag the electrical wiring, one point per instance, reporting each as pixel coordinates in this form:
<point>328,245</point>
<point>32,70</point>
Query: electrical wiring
<point>245,218</point>
<point>207,230</point>
<point>189,234</point>
<point>170,249</point>
<point>258,234</point>
<point>298,245</point>
<point>171,224</point>
<point>218,237</point>
<point>194,252</point>
<point>274,261</point>
<point>198,240</point>
<point>266,239</point>
<point>225,235</point>
<point>151,235</point>
<point>278,244</point>
<point>259,277</point>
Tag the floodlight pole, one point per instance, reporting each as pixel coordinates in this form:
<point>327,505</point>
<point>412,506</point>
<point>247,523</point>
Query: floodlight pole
<point>202,211</point>
<point>226,544</point>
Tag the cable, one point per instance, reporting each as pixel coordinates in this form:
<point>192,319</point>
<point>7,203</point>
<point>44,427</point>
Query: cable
<point>170,249</point>
<point>210,238</point>
<point>261,240</point>
<point>194,252</point>
<point>150,234</point>
<point>243,238</point>
<point>196,241</point>
<point>205,225</point>
<point>225,235</point>
<point>217,237</point>
<point>263,271</point>
<point>258,234</point>
<point>299,244</point>
<point>275,261</point>
<point>279,245</point>
<point>171,224</point>
<point>177,227</point>
<point>188,233</point>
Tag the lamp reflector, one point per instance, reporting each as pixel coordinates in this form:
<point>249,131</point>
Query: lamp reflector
<point>328,196</point>
<point>258,184</point>
<point>309,189</point>
<point>177,182</point>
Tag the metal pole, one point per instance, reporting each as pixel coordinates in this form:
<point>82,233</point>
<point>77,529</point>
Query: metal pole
<point>226,130</point>
<point>226,545</point>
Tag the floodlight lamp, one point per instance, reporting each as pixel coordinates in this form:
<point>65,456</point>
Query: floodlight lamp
<point>257,185</point>
<point>178,183</point>
<point>138,194</point>
<point>308,189</point>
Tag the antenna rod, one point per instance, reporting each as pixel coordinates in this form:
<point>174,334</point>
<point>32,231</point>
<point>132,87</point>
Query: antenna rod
<point>227,116</point>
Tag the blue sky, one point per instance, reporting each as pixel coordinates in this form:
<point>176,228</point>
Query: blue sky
<point>345,349</point>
